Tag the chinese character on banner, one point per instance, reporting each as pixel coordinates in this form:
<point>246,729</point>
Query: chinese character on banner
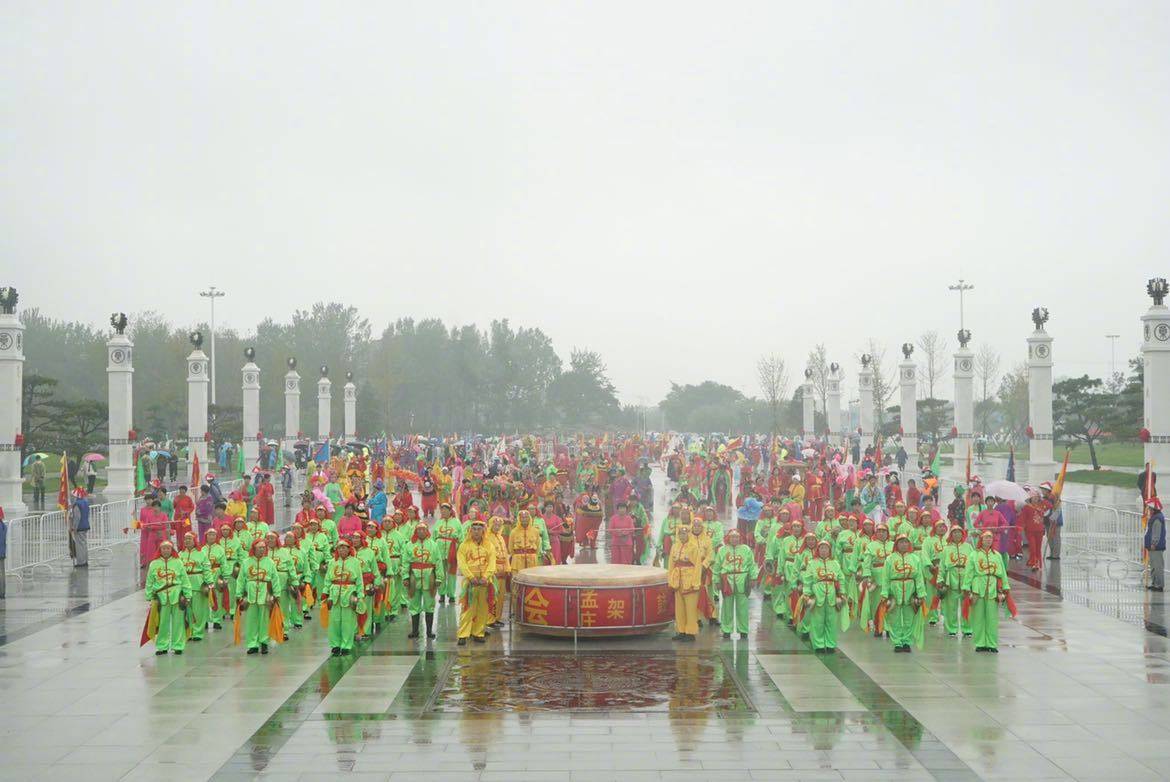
<point>616,609</point>
<point>589,599</point>
<point>535,607</point>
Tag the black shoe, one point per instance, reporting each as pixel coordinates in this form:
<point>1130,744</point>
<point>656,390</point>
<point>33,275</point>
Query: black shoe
<point>178,651</point>
<point>430,626</point>
<point>980,649</point>
<point>263,648</point>
<point>391,618</point>
<point>993,650</point>
<point>253,650</point>
<point>461,642</point>
<point>675,637</point>
<point>743,635</point>
<point>193,639</point>
<point>346,651</point>
<point>413,626</point>
<point>727,635</point>
<point>478,639</point>
<point>953,635</point>
<point>335,651</point>
<point>217,626</point>
<point>831,651</point>
<point>308,614</point>
<point>712,621</point>
<point>159,652</point>
<point>966,635</point>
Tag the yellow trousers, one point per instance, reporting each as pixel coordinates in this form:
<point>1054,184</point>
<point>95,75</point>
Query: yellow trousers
<point>686,612</point>
<point>474,618</point>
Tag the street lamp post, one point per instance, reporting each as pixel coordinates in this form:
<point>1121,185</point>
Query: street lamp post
<point>213,294</point>
<point>962,288</point>
<point>1112,354</point>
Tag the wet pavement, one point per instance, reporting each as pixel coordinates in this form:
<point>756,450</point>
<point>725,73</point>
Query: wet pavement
<point>1080,690</point>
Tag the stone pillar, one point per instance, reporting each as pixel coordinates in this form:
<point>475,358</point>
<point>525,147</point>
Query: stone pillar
<point>197,385</point>
<point>324,402</point>
<point>251,414</point>
<point>292,405</point>
<point>1156,374</point>
<point>349,399</point>
<point>833,402</point>
<point>964,403</point>
<point>11,394</point>
<point>120,374</point>
<point>865,401</point>
<point>808,409</point>
<point>908,383</point>
<point>1041,466</point>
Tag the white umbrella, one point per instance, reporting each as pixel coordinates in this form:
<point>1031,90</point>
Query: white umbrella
<point>1006,490</point>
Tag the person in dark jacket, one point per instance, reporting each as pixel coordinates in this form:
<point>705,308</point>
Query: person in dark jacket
<point>1155,544</point>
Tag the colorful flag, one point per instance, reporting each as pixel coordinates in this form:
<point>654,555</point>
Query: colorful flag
<point>1058,487</point>
<point>63,487</point>
<point>322,455</point>
<point>195,472</point>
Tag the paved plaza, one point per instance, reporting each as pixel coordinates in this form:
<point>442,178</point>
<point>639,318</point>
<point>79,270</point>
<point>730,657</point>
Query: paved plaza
<point>1080,690</point>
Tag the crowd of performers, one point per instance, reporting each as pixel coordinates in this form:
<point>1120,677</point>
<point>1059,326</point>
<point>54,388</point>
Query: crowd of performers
<point>384,535</point>
<point>381,536</point>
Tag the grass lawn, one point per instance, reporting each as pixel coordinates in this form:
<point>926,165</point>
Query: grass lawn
<point>1126,480</point>
<point>1110,454</point>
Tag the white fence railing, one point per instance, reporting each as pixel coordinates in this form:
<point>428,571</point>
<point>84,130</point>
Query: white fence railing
<point>40,539</point>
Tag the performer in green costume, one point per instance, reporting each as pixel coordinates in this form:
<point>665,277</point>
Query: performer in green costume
<point>734,570</point>
<point>168,586</point>
<point>903,592</point>
<point>824,596</point>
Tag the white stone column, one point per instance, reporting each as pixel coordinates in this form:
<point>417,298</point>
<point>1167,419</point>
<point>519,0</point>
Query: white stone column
<point>11,394</point>
<point>908,384</point>
<point>349,399</point>
<point>251,414</point>
<point>198,380</point>
<point>833,402</point>
<point>808,408</point>
<point>292,405</point>
<point>1041,466</point>
<point>1156,377</point>
<point>964,403</point>
<point>324,403</point>
<point>865,401</point>
<point>120,374</point>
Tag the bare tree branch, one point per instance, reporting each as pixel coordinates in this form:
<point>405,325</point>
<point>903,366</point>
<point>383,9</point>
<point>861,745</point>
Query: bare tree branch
<point>773,377</point>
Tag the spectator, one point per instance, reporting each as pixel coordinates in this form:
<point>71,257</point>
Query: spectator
<point>1155,544</point>
<point>88,475</point>
<point>79,528</point>
<point>956,511</point>
<point>71,469</point>
<point>37,473</point>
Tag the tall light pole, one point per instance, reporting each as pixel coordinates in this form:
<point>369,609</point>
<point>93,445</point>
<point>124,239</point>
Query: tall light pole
<point>213,294</point>
<point>962,288</point>
<point>1112,354</point>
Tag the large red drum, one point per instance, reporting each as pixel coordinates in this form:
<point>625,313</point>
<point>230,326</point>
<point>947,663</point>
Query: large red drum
<point>592,600</point>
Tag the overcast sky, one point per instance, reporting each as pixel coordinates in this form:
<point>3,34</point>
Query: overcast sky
<point>681,187</point>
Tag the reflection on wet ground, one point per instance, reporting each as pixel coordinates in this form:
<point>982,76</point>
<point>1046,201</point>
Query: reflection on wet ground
<point>589,682</point>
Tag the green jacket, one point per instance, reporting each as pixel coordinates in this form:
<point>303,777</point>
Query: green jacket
<point>198,568</point>
<point>166,580</point>
<point>425,562</point>
<point>738,564</point>
<point>903,578</point>
<point>343,581</point>
<point>823,580</point>
<point>258,579</point>
<point>984,575</point>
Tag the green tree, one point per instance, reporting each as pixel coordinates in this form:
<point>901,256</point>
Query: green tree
<point>1083,412</point>
<point>584,395</point>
